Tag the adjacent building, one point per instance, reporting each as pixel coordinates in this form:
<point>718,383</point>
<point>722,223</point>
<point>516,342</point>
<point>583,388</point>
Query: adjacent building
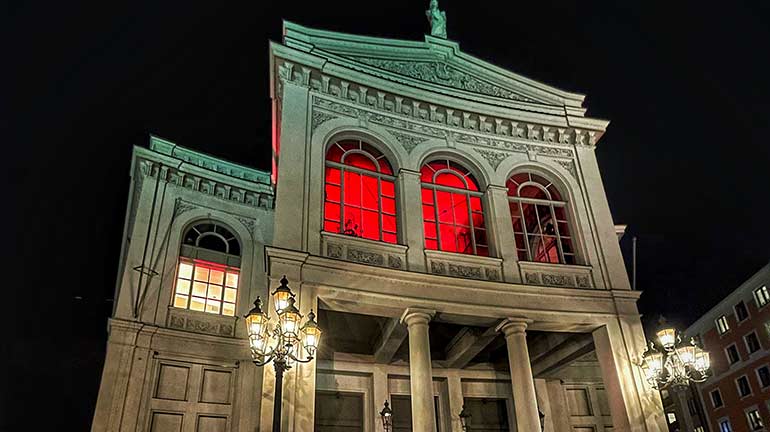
<point>736,332</point>
<point>444,218</point>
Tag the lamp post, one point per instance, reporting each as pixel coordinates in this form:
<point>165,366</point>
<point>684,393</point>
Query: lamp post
<point>465,419</point>
<point>673,363</point>
<point>281,342</point>
<point>386,415</point>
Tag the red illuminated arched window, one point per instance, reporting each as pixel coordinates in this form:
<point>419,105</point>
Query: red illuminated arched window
<point>360,192</point>
<point>451,209</point>
<point>540,223</point>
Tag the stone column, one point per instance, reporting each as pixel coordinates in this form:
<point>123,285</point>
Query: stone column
<point>501,232</point>
<point>420,372</point>
<point>410,218</point>
<point>524,396</point>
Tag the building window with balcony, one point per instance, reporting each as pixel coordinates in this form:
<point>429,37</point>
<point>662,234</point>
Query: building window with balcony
<point>452,210</point>
<point>716,399</point>
<point>754,419</point>
<point>741,312</point>
<point>208,270</point>
<point>722,326</point>
<point>732,354</point>
<point>744,389</point>
<point>359,192</point>
<point>540,220</point>
<point>762,296</point>
<point>763,374</point>
<point>752,342</point>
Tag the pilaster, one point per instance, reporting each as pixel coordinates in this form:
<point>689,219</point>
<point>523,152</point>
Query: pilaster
<point>501,229</point>
<point>410,212</point>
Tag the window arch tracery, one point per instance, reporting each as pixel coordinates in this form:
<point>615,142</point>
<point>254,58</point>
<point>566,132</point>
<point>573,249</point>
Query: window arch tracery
<point>359,192</point>
<point>208,270</point>
<point>453,215</point>
<point>540,220</point>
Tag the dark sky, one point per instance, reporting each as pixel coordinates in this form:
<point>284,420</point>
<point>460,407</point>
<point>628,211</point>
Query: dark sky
<point>685,160</point>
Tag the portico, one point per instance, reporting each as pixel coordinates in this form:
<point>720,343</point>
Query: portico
<point>537,336</point>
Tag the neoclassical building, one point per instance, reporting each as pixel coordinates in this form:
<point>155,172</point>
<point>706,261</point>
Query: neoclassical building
<point>444,218</point>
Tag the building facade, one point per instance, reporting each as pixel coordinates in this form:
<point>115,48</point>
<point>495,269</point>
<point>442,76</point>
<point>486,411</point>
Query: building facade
<point>736,332</point>
<point>445,218</point>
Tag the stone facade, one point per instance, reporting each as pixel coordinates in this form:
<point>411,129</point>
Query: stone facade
<point>174,369</point>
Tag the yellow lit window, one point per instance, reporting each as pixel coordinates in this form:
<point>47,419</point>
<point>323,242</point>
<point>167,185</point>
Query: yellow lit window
<point>206,287</point>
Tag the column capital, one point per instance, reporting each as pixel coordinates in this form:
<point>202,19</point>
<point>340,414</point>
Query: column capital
<point>404,172</point>
<point>514,325</point>
<point>417,316</point>
<point>497,188</point>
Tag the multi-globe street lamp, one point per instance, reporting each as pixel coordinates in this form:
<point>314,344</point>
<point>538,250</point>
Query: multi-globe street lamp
<point>281,342</point>
<point>673,363</point>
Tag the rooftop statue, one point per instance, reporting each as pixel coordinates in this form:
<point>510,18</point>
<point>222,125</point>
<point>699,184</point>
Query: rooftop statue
<point>437,19</point>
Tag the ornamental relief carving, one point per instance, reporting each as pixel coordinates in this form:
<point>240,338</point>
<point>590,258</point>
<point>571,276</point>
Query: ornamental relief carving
<point>437,267</point>
<point>200,325</point>
<point>444,74</point>
<point>407,141</point>
<point>394,262</point>
<point>557,280</point>
<point>467,272</point>
<point>569,166</point>
<point>492,274</point>
<point>333,250</point>
<point>320,117</point>
<point>365,257</point>
<point>495,158</point>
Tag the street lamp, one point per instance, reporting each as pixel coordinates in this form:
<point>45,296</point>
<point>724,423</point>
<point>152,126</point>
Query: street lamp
<point>673,363</point>
<point>281,342</point>
<point>465,419</point>
<point>387,417</point>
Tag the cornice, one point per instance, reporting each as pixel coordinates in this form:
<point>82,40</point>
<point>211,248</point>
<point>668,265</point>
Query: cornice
<point>492,147</point>
<point>172,171</point>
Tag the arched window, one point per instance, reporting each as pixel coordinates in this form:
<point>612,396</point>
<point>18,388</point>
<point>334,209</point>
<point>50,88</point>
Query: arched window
<point>207,277</point>
<point>540,223</point>
<point>452,212</point>
<point>360,192</point>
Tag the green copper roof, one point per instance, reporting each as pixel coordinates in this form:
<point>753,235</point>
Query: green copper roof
<point>208,162</point>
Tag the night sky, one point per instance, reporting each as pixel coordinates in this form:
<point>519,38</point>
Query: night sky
<point>685,160</point>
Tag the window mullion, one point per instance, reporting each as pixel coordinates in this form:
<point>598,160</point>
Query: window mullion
<point>470,223</point>
<point>558,235</point>
<point>525,231</point>
<point>342,200</point>
<point>435,221</point>
<point>379,208</point>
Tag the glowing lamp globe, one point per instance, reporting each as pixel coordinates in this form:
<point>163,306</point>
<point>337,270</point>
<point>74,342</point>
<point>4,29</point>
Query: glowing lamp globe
<point>311,334</point>
<point>281,295</point>
<point>257,327</point>
<point>667,338</point>
<point>289,319</point>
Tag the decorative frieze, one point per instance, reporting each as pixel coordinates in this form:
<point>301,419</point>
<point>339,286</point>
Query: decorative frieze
<point>418,128</point>
<point>200,323</point>
<point>465,271</point>
<point>556,275</point>
<point>406,108</point>
<point>557,280</point>
<point>172,175</point>
<point>365,257</point>
<point>492,274</point>
<point>362,251</point>
<point>437,268</point>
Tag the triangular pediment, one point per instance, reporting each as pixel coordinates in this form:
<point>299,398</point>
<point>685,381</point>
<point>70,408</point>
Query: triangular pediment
<point>435,64</point>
